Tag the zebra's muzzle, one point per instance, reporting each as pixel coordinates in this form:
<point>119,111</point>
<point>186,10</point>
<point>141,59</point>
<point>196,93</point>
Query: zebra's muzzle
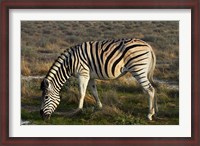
<point>44,116</point>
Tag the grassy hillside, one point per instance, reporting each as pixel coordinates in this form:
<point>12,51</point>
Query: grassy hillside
<point>123,100</point>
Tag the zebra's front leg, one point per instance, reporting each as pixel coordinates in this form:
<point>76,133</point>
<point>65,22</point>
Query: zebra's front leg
<point>93,88</point>
<point>83,82</point>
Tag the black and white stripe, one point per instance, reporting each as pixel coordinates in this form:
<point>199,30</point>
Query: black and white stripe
<point>108,59</point>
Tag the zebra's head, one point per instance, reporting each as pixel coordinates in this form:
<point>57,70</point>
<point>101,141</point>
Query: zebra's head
<point>50,99</point>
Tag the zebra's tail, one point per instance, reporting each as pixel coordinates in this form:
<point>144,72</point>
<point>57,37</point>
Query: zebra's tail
<point>152,68</point>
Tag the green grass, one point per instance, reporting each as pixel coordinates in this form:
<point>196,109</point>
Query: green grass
<point>123,100</point>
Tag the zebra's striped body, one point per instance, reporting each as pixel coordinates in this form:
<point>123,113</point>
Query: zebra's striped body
<point>108,59</point>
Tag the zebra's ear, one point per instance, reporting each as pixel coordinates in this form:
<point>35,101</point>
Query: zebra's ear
<point>44,84</point>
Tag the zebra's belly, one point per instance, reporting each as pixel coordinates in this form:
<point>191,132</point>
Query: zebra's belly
<point>117,74</point>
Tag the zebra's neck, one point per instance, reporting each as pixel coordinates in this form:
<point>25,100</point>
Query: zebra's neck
<point>60,71</point>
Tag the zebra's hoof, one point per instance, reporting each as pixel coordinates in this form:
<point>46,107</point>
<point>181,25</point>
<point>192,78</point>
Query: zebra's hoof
<point>150,117</point>
<point>98,107</point>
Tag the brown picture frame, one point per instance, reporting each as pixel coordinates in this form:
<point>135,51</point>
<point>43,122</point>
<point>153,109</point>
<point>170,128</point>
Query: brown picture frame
<point>6,5</point>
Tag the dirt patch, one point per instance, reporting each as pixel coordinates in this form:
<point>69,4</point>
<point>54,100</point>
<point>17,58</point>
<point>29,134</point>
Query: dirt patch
<point>169,84</point>
<point>28,78</point>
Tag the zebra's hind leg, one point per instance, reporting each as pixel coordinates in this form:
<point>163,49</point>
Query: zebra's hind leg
<point>93,88</point>
<point>144,82</point>
<point>152,103</point>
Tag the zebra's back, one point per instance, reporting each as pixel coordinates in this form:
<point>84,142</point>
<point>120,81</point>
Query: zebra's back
<point>110,59</point>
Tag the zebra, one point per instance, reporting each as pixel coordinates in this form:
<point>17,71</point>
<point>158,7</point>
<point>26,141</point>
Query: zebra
<point>104,60</point>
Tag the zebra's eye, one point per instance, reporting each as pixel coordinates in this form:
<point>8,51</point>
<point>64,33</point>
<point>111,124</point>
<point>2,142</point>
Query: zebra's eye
<point>46,97</point>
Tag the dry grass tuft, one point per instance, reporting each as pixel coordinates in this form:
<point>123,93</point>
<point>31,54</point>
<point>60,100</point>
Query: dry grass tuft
<point>108,111</point>
<point>24,91</point>
<point>42,67</point>
<point>109,97</point>
<point>72,95</point>
<point>26,71</point>
<point>90,99</point>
